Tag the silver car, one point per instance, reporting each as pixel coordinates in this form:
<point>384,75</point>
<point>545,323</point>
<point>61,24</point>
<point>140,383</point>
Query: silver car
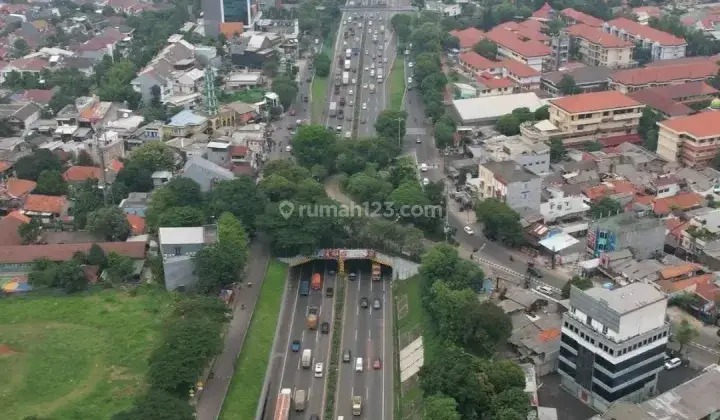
<point>376,304</point>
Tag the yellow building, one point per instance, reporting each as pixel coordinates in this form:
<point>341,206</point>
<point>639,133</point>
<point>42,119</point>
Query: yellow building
<point>693,140</point>
<point>599,48</point>
<point>587,117</point>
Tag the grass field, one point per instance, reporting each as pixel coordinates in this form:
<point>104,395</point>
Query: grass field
<point>246,386</point>
<point>396,79</point>
<point>79,357</point>
<point>319,91</point>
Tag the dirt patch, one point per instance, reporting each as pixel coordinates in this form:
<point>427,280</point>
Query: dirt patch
<point>5,350</point>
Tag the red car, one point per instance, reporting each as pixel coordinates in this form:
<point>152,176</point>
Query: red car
<point>377,364</point>
<point>292,112</point>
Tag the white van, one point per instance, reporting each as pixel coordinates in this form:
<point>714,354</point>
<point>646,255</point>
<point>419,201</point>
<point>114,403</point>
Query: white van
<point>359,364</point>
<point>299,400</point>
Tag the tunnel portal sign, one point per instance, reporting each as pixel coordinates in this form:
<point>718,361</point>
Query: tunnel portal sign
<point>352,254</point>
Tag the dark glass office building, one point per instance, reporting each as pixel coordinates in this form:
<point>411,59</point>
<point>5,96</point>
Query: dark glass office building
<point>216,12</point>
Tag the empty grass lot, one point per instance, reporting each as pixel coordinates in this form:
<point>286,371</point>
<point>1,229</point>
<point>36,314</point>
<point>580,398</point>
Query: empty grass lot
<point>409,321</point>
<point>78,357</point>
<point>396,80</point>
<point>246,386</point>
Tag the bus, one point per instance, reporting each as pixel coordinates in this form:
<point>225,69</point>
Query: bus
<point>376,271</point>
<point>282,406</point>
<point>316,281</point>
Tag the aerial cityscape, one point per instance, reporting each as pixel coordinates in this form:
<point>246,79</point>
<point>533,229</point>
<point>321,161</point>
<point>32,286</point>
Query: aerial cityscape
<point>359,209</point>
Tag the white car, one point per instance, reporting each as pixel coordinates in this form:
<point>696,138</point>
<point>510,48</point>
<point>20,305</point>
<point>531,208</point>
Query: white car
<point>418,140</point>
<point>365,84</point>
<point>354,81</point>
<point>350,92</point>
<point>367,52</point>
<point>372,65</point>
<point>288,148</point>
<point>424,167</point>
<point>469,230</point>
<point>351,102</point>
<point>409,79</point>
<point>359,364</point>
<point>366,68</point>
<point>318,370</point>
<point>410,64</point>
<point>348,134</point>
<point>544,290</point>
<point>338,128</point>
<point>364,106</point>
<point>426,181</point>
<point>673,363</point>
<point>384,59</point>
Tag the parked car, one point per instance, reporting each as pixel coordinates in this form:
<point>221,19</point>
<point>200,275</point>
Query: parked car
<point>469,230</point>
<point>673,363</point>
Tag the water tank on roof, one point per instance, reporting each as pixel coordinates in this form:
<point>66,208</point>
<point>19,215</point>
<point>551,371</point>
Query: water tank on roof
<point>715,104</point>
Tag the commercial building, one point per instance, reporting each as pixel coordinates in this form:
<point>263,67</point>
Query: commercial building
<point>509,182</point>
<point>535,156</point>
<point>631,80</point>
<point>587,117</point>
<point>662,45</point>
<point>488,110</point>
<point>693,140</point>
<point>217,12</point>
<point>598,48</point>
<point>642,233</point>
<point>613,343</point>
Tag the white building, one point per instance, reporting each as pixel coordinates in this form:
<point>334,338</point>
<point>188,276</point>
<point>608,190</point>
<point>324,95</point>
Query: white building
<point>613,344</point>
<point>559,209</point>
<point>489,109</point>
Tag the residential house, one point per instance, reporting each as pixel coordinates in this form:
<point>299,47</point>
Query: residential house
<point>136,203</point>
<point>681,279</point>
<point>528,51</point>
<point>184,124</point>
<point>9,226</point>
<point>693,140</point>
<point>137,224</point>
<point>664,206</point>
<point>525,76</point>
<point>45,207</point>
<point>488,85</point>
<point>631,80</point>
<point>526,30</point>
<point>205,173</point>
<point>662,45</point>
<point>599,48</point>
<point>148,132</point>
<point>106,147</point>
<point>20,115</point>
<point>664,186</point>
<point>244,80</point>
<point>218,152</point>
<point>161,178</point>
<point>472,63</point>
<point>76,175</point>
<point>573,17</point>
<point>510,182</point>
<point>557,210</point>
<point>701,230</point>
<point>676,100</point>
<point>178,246</point>
<point>189,82</point>
<point>105,43</point>
<point>532,155</point>
<point>587,79</point>
<point>467,37</point>
<point>587,117</point>
<point>21,258</point>
<point>163,70</point>
<point>41,97</point>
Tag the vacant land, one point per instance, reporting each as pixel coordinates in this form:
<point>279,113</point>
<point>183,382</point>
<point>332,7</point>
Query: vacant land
<point>409,319</point>
<point>79,357</point>
<point>246,386</point>
<point>396,79</point>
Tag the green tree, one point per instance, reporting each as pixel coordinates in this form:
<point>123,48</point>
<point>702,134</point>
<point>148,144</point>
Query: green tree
<point>567,85</point>
<point>500,222</point>
<point>154,156</point>
<point>487,49</point>
<point>136,176</point>
<point>51,183</point>
<point>30,232</point>
<point>182,217</point>
<point>29,167</point>
<point>286,89</point>
<point>557,150</point>
<point>508,125</point>
<point>84,159</point>
<point>642,55</point>
<point>119,268</point>
<point>553,27</point>
<point>440,407</point>
<point>109,223</point>
<point>21,47</point>
<point>541,113</point>
<point>313,144</point>
<point>685,333</point>
<point>368,189</point>
<point>88,197</point>
<point>391,125</point>
<point>241,197</point>
<point>322,65</point>
<point>232,233</point>
<point>96,256</point>
<point>606,207</point>
<point>582,283</point>
<point>178,192</point>
<point>215,268</point>
<point>444,135</point>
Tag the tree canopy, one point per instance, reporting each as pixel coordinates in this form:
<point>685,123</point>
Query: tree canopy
<point>500,222</point>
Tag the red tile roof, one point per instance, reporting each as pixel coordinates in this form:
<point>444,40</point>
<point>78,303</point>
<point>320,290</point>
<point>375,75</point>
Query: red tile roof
<point>493,82</point>
<point>683,61</point>
<point>40,96</point>
<point>662,98</point>
<point>518,69</point>
<point>82,173</point>
<point>594,101</point>
<point>39,203</point>
<point>110,36</point>
<point>595,35</point>
<point>651,11</point>
<point>682,201</point>
<point>477,61</point>
<point>238,151</point>
<point>64,252</point>
<point>676,227</point>
<point>703,124</point>
<point>581,17</point>
<point>29,64</point>
<point>525,30</point>
<point>665,74</point>
<point>17,187</point>
<point>116,166</point>
<point>646,32</point>
<point>468,37</point>
<point>512,42</point>
<point>609,188</point>
<point>137,224</point>
<point>615,141</point>
<point>707,290</point>
<point>9,227</point>
<point>543,12</point>
<point>229,29</point>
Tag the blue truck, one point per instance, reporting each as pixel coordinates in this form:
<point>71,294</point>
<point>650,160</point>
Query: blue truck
<point>304,287</point>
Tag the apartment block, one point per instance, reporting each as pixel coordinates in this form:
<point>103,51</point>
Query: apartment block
<point>528,51</point>
<point>467,37</point>
<point>510,182</point>
<point>599,48</point>
<point>587,117</point>
<point>631,80</point>
<point>662,45</point>
<point>613,344</point>
<point>473,63</point>
<point>573,17</point>
<point>692,140</point>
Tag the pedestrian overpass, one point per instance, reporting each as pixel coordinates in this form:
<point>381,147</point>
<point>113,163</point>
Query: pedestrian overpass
<point>401,267</point>
<point>378,9</point>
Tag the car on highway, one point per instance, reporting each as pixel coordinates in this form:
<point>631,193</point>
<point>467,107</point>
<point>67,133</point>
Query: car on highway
<point>325,327</point>
<point>377,364</point>
<point>347,356</point>
<point>372,65</point>
<point>409,80</point>
<point>364,105</point>
<point>329,292</point>
<point>351,102</point>
<point>367,52</point>
<point>352,276</point>
<point>424,167</point>
<point>417,140</point>
<point>366,68</point>
<point>288,148</point>
<point>359,364</point>
<point>544,289</point>
<point>384,59</point>
<point>376,304</point>
<point>319,370</point>
<point>364,302</point>
<point>338,128</point>
<point>469,230</point>
<point>350,92</point>
<point>673,363</point>
<point>348,134</point>
<point>425,181</point>
<point>410,64</point>
<point>365,84</point>
<point>354,81</point>
<point>295,346</point>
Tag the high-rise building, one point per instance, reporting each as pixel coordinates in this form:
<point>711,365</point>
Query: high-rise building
<point>216,12</point>
<point>613,344</point>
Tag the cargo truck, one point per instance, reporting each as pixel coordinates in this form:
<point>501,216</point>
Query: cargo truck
<point>312,318</point>
<point>282,406</point>
<point>300,400</point>
<point>306,359</point>
<point>316,281</point>
<point>346,78</point>
<point>376,271</point>
<point>304,287</point>
<point>356,405</point>
<point>333,110</point>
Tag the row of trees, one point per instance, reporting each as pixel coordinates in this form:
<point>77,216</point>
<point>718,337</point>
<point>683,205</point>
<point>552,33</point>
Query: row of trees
<point>509,124</point>
<point>459,378</point>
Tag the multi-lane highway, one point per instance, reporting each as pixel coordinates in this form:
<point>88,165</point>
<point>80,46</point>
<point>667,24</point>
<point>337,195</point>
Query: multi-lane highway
<point>288,371</point>
<point>367,334</point>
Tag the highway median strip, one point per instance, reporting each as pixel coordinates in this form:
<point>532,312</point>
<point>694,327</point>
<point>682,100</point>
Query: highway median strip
<point>396,79</point>
<point>247,382</point>
<point>332,376</point>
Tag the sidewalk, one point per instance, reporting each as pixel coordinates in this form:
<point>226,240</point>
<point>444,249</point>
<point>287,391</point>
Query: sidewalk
<point>211,400</point>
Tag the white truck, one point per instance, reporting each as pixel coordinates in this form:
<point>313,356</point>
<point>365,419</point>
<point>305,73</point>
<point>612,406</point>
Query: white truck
<point>333,108</point>
<point>347,64</point>
<point>379,75</point>
<point>306,359</point>
<point>372,88</point>
<point>346,78</point>
<point>348,53</point>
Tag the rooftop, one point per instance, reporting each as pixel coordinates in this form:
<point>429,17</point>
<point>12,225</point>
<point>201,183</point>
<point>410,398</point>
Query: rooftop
<point>626,299</point>
<point>699,70</point>
<point>595,101</point>
<point>82,173</point>
<point>495,106</point>
<point>473,59</point>
<point>582,17</point>
<point>582,75</point>
<point>663,98</point>
<point>186,118</point>
<point>468,37</point>
<point>595,35</point>
<point>509,172</point>
<point>701,125</point>
<point>182,235</point>
<point>511,41</point>
<point>646,32</point>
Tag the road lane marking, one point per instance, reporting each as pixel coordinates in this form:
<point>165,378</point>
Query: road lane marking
<point>367,393</point>
<point>356,334</point>
<point>289,335</point>
<point>382,338</point>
